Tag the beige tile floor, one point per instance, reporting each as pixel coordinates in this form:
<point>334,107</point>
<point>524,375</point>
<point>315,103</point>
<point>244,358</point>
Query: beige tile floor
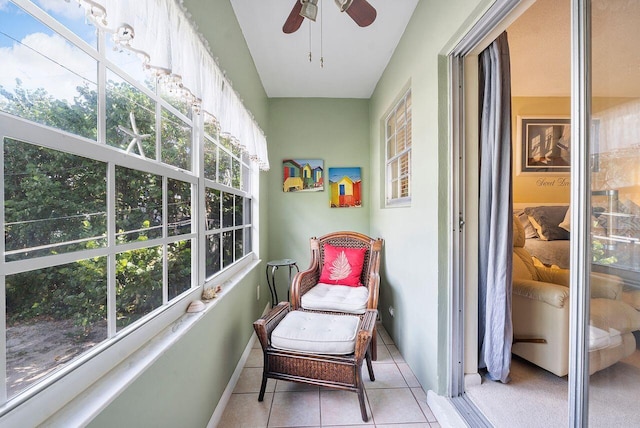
<point>395,399</point>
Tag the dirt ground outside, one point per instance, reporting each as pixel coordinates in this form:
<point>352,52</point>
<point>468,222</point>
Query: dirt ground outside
<point>37,349</point>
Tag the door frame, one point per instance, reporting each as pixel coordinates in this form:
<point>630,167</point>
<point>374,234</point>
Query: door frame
<point>462,73</point>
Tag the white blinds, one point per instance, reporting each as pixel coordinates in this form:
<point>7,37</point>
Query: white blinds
<point>163,36</point>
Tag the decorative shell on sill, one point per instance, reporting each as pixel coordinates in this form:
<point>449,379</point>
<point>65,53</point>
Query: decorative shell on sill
<point>211,292</point>
<point>196,306</point>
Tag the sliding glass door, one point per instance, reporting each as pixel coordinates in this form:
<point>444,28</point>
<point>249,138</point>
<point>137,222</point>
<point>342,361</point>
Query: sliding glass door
<point>614,221</point>
<point>604,361</point>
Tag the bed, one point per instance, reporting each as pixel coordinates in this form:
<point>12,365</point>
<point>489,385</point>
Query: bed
<point>547,229</point>
<point>615,231</point>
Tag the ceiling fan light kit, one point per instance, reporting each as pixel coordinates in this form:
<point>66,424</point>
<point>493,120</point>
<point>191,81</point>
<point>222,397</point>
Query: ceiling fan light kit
<point>360,11</point>
<point>343,4</point>
<point>309,9</point>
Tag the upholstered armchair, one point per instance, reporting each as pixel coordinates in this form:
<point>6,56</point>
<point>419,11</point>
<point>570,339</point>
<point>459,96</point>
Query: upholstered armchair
<point>540,313</point>
<point>343,276</point>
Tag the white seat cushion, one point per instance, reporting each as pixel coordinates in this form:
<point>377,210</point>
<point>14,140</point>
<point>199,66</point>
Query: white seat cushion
<point>336,298</point>
<point>316,333</point>
<point>616,338</point>
<point>598,338</point>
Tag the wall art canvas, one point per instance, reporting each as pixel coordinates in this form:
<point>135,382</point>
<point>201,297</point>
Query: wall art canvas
<point>302,175</point>
<point>345,185</point>
<point>545,145</point>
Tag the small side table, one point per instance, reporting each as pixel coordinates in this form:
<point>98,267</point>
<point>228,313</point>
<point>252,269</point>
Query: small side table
<point>271,282</point>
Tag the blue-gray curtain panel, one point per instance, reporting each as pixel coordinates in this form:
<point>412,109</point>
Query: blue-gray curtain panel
<point>495,214</point>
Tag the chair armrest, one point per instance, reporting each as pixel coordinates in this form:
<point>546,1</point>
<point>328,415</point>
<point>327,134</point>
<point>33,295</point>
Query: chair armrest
<point>606,286</point>
<point>374,291</point>
<point>553,275</point>
<point>602,285</point>
<point>552,294</point>
<point>302,282</point>
<point>265,325</point>
<point>365,333</point>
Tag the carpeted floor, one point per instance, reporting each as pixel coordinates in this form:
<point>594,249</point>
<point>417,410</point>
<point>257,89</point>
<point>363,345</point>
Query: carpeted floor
<point>537,398</point>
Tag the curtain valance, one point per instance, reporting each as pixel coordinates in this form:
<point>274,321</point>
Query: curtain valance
<point>160,32</point>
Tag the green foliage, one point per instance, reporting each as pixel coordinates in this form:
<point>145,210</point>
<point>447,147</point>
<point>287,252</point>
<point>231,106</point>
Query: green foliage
<point>79,118</point>
<point>176,141</point>
<point>598,253</point>
<point>78,291</point>
<point>75,291</point>
<point>138,284</point>
<point>121,100</point>
<point>179,259</point>
<point>52,197</point>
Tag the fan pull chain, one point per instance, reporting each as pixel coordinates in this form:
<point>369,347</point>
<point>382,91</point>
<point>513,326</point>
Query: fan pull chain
<point>309,41</point>
<point>321,24</point>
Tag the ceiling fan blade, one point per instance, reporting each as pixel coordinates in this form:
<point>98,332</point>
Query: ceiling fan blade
<point>294,21</point>
<point>362,12</point>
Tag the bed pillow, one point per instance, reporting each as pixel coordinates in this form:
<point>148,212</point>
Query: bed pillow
<point>529,230</point>
<point>566,223</point>
<point>546,221</point>
<point>342,265</point>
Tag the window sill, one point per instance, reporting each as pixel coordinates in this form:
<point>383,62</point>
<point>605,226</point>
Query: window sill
<point>53,406</point>
<point>399,203</point>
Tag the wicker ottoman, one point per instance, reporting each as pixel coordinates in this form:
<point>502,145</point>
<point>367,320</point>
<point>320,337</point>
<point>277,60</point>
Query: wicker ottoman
<point>316,348</point>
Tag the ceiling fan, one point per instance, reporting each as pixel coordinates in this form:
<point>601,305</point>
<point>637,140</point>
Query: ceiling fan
<point>359,10</point>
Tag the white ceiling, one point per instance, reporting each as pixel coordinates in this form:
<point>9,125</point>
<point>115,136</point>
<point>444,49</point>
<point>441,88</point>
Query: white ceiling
<point>354,57</point>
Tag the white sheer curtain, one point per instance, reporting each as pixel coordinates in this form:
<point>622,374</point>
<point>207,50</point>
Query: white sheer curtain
<point>160,32</point>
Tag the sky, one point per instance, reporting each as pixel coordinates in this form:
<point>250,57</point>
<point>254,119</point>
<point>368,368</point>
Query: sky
<point>41,58</point>
<point>313,163</point>
<point>336,174</point>
<point>18,24</point>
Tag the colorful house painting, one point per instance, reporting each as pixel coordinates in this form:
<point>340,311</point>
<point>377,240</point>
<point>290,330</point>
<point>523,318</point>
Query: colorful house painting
<point>299,175</point>
<point>346,187</point>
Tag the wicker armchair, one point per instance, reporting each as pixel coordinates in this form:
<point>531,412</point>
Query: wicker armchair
<point>305,280</point>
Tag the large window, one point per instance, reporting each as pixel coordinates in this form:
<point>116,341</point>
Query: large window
<point>105,172</point>
<point>398,153</point>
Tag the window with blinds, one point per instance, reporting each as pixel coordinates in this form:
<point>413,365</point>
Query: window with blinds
<point>398,153</point>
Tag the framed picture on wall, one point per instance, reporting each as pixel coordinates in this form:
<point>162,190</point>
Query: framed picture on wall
<point>302,175</point>
<point>345,186</point>
<point>544,146</point>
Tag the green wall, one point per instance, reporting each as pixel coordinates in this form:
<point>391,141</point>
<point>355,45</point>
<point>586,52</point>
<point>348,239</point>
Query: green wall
<point>334,130</point>
<point>415,258</point>
<point>183,387</point>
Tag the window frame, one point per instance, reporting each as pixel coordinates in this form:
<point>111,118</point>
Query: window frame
<point>67,381</point>
<point>390,180</point>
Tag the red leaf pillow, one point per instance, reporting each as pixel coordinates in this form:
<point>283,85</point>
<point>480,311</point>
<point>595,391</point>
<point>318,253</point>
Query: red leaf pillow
<point>342,266</point>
